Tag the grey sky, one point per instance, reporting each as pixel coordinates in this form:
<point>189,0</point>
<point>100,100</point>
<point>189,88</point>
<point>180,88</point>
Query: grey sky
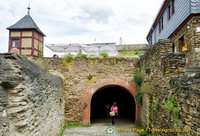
<point>82,21</point>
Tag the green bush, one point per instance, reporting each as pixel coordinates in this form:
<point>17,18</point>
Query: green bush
<point>40,54</point>
<point>156,106</point>
<point>81,55</point>
<point>171,98</point>
<point>111,62</point>
<point>176,112</point>
<point>69,57</point>
<point>92,55</point>
<point>90,76</point>
<point>146,88</point>
<point>138,78</point>
<point>138,98</point>
<point>104,54</point>
<point>171,106</point>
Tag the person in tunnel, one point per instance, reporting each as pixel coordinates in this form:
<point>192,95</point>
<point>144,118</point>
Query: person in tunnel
<point>114,109</point>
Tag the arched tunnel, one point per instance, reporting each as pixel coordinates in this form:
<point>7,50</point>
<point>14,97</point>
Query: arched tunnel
<point>103,99</point>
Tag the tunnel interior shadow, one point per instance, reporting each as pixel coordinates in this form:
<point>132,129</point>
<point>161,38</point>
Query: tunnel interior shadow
<point>103,99</point>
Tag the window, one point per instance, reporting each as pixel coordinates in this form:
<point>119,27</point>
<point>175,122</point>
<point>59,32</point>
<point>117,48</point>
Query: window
<point>150,40</point>
<point>173,48</point>
<point>169,15</point>
<point>173,10</point>
<point>159,27</point>
<point>15,43</point>
<point>181,43</point>
<point>161,24</point>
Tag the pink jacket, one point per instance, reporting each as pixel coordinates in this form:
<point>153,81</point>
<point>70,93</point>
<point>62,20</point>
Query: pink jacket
<point>114,109</point>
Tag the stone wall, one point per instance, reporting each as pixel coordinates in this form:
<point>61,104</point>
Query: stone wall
<point>77,84</point>
<point>191,34</point>
<point>132,47</point>
<point>31,100</point>
<point>170,97</point>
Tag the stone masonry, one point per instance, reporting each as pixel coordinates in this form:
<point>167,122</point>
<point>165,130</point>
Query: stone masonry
<point>77,85</point>
<point>31,100</point>
<point>172,97</point>
<point>191,34</point>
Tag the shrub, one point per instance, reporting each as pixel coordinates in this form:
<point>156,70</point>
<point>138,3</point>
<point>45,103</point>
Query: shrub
<point>138,78</point>
<point>169,105</point>
<point>156,106</point>
<point>69,57</point>
<point>104,54</point>
<point>40,54</point>
<point>111,62</point>
<point>146,88</point>
<point>90,76</point>
<point>175,112</point>
<point>171,98</point>
<point>81,55</point>
<point>92,55</point>
<point>138,98</point>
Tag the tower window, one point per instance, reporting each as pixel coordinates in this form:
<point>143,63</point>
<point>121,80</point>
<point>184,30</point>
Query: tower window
<point>15,43</point>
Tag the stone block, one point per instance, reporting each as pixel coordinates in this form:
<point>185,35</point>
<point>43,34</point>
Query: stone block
<point>185,108</point>
<point>193,111</point>
<point>196,120</point>
<point>184,115</point>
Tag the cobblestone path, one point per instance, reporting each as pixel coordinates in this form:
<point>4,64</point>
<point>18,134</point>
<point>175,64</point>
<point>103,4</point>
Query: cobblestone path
<point>100,129</point>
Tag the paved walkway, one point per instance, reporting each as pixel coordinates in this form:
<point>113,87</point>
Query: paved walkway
<point>100,129</point>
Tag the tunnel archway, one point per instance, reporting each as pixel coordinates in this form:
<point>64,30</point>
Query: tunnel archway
<point>102,84</point>
<point>103,99</point>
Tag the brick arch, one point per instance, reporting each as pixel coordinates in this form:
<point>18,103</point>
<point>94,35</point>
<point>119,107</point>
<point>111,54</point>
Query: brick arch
<point>103,83</point>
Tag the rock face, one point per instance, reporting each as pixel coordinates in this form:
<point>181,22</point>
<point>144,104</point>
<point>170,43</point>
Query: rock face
<point>31,100</point>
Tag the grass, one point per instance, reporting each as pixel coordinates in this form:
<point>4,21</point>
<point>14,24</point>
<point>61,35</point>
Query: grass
<point>104,54</point>
<point>69,57</point>
<point>75,124</point>
<point>70,124</point>
<point>130,53</point>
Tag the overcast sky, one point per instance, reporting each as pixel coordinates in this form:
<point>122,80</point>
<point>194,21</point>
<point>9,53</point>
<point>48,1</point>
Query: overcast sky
<point>83,21</point>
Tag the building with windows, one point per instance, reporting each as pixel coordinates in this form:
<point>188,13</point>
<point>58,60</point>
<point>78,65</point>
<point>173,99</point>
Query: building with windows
<point>26,38</point>
<point>178,20</point>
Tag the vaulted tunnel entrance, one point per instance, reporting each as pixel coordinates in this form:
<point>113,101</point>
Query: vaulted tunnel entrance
<point>103,99</point>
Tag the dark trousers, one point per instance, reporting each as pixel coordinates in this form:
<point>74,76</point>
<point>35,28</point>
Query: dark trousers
<point>113,120</point>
